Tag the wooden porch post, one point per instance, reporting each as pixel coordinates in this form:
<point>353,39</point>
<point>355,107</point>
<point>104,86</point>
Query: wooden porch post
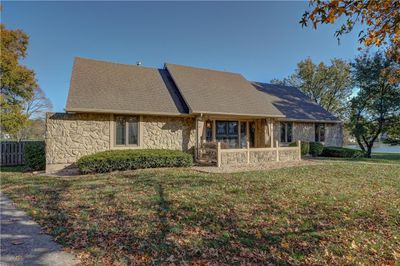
<point>299,145</point>
<point>248,152</point>
<point>219,154</point>
<point>199,135</point>
<point>214,130</point>
<point>277,150</point>
<point>271,122</point>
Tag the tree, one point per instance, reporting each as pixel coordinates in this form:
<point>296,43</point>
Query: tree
<point>393,132</point>
<point>377,104</point>
<point>35,110</point>
<point>34,130</point>
<point>328,85</point>
<point>381,19</point>
<point>38,105</point>
<point>17,82</point>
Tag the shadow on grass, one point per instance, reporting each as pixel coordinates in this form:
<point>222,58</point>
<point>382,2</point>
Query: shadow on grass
<point>158,226</point>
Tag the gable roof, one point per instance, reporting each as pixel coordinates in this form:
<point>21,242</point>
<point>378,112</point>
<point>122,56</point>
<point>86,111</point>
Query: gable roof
<point>116,88</point>
<point>218,92</point>
<point>294,104</point>
<point>98,86</point>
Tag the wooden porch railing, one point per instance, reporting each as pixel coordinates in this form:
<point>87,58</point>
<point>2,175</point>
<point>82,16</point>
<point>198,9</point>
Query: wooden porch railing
<point>273,154</point>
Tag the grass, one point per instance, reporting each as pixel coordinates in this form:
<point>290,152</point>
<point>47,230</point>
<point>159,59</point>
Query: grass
<point>333,213</point>
<point>377,157</point>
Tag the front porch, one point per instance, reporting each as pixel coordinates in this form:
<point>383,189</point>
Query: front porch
<point>223,140</point>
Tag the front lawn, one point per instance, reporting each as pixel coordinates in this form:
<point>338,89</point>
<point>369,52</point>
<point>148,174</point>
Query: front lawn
<point>377,157</point>
<point>333,213</point>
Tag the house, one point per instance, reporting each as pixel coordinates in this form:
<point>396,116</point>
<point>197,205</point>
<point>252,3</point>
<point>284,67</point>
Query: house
<point>117,106</point>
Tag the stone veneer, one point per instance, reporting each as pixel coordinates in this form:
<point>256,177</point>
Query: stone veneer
<point>258,156</point>
<point>173,133</point>
<point>70,136</point>
<point>306,132</point>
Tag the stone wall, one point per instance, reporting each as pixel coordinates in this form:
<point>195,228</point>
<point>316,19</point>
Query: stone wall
<point>289,155</point>
<point>306,132</point>
<point>258,156</point>
<point>173,133</point>
<point>70,136</point>
<point>334,135</point>
<point>234,158</point>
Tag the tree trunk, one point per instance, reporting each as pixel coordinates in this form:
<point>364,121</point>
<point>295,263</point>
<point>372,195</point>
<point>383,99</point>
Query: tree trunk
<point>369,151</point>
<point>360,144</point>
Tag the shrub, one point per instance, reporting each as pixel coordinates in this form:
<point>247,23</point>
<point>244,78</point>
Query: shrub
<point>35,155</point>
<point>341,152</point>
<point>305,147</point>
<point>316,148</point>
<point>108,161</point>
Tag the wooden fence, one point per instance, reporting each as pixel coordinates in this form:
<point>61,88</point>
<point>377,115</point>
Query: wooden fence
<point>12,152</point>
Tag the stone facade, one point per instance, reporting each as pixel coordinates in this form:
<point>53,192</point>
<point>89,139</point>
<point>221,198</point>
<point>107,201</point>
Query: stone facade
<point>173,133</point>
<point>70,136</point>
<point>334,135</point>
<point>306,132</point>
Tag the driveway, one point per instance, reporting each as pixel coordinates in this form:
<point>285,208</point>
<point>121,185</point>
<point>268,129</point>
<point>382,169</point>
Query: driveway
<point>23,243</point>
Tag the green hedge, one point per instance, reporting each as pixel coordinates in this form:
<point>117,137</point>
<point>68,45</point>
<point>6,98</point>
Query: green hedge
<point>341,152</point>
<point>108,161</point>
<point>305,147</point>
<point>35,155</point>
<point>316,148</point>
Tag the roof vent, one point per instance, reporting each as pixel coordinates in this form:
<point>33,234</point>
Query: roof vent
<point>138,63</point>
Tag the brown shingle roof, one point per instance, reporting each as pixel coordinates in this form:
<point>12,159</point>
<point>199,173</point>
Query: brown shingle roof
<point>217,92</point>
<point>99,86</point>
<point>294,104</point>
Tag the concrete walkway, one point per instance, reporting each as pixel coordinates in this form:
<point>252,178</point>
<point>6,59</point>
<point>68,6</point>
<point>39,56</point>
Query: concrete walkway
<point>23,243</point>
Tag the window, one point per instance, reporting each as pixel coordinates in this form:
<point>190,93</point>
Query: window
<point>126,131</point>
<point>252,133</point>
<point>286,132</point>
<point>227,131</point>
<point>319,132</point>
<point>243,134</point>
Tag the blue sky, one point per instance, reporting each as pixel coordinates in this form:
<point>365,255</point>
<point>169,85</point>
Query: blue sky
<point>261,40</point>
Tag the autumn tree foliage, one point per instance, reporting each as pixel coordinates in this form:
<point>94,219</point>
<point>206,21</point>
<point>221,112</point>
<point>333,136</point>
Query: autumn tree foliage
<point>329,85</point>
<point>20,95</point>
<point>380,17</point>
